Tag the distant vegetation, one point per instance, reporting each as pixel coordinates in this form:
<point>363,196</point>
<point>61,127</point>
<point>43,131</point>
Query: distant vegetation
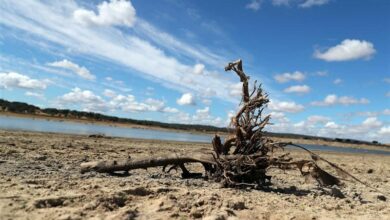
<point>24,108</point>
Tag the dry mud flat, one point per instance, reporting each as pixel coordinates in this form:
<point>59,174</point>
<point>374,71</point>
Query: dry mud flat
<point>40,179</point>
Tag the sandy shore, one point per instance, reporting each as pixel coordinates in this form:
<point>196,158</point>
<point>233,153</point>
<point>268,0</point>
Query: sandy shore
<point>40,179</point>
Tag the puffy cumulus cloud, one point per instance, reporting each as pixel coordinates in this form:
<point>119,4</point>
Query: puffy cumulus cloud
<point>337,81</point>
<point>311,3</point>
<point>298,89</point>
<point>92,102</point>
<point>321,73</point>
<point>78,95</point>
<point>372,122</point>
<point>186,99</point>
<point>343,100</point>
<point>199,69</point>
<point>79,70</point>
<point>235,89</point>
<point>15,80</point>
<point>348,49</point>
<point>281,2</point>
<point>280,117</point>
<point>170,110</point>
<point>203,113</point>
<point>385,130</point>
<point>109,93</point>
<point>317,119</point>
<point>283,106</point>
<point>206,101</point>
<point>201,116</point>
<point>369,129</point>
<point>229,117</point>
<point>286,77</point>
<point>115,12</point>
<point>254,5</point>
<point>35,94</point>
<point>128,103</point>
<point>368,113</point>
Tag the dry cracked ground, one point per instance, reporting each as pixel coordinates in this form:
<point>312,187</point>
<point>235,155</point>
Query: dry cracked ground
<point>40,179</point>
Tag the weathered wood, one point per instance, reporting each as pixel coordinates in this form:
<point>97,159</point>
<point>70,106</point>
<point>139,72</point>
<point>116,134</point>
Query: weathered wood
<point>251,158</point>
<point>143,163</point>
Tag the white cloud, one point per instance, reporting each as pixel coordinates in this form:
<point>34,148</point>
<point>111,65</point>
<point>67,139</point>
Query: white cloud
<point>321,73</point>
<point>388,94</point>
<point>281,2</point>
<point>369,129</point>
<point>300,3</point>
<point>128,103</point>
<point>201,116</point>
<point>254,5</point>
<point>286,77</point>
<point>384,130</point>
<point>236,89</point>
<point>298,89</point>
<point>372,122</point>
<point>186,99</point>
<point>170,110</point>
<point>348,49</point>
<point>285,106</point>
<point>15,80</point>
<point>311,3</point>
<point>53,26</point>
<point>109,93</point>
<point>387,80</point>
<point>115,12</point>
<point>280,117</point>
<point>203,113</point>
<point>81,96</point>
<point>206,101</point>
<point>315,119</point>
<point>79,70</point>
<point>337,81</point>
<point>35,94</point>
<point>343,100</point>
<point>199,69</point>
<point>332,125</point>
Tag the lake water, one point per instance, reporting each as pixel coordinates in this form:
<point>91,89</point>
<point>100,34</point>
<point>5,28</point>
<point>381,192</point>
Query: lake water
<point>43,125</point>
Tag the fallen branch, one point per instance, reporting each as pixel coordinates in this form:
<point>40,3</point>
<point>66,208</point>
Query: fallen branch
<point>252,152</point>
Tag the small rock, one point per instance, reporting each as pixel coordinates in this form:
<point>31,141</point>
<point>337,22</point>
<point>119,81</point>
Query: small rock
<point>381,197</point>
<point>236,205</point>
<point>336,192</point>
<point>370,171</point>
<point>69,217</point>
<point>215,217</point>
<point>196,213</point>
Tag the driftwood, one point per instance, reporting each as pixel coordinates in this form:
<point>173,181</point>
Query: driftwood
<point>245,156</point>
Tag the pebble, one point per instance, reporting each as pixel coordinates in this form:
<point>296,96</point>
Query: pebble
<point>381,197</point>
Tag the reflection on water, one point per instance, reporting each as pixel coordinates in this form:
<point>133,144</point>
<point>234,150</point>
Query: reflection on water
<point>44,125</point>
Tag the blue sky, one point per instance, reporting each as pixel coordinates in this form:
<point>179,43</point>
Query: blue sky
<point>324,63</point>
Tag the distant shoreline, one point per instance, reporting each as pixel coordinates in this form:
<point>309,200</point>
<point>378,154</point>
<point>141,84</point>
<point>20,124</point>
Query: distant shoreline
<point>106,123</point>
<point>301,140</point>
